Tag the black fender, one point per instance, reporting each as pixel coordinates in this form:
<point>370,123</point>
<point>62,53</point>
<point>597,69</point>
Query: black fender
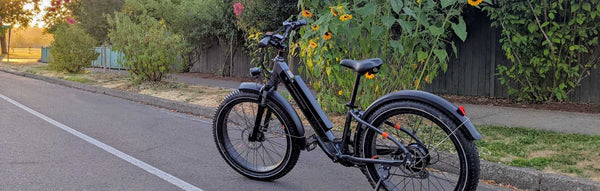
<point>435,101</point>
<point>298,131</point>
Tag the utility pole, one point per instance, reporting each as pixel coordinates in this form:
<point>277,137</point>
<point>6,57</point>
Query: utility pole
<point>8,47</point>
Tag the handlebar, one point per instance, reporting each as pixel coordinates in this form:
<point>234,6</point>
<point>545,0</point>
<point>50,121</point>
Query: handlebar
<point>277,40</point>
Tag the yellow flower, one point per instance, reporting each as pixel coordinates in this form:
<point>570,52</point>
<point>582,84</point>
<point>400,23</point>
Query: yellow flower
<point>415,66</point>
<point>419,1</point>
<point>312,44</point>
<point>86,71</point>
<point>422,61</point>
<point>314,27</point>
<point>340,8</point>
<point>474,2</point>
<point>345,17</point>
<point>369,75</point>
<point>327,35</point>
<point>427,78</point>
<point>340,92</point>
<point>333,12</point>
<point>307,13</point>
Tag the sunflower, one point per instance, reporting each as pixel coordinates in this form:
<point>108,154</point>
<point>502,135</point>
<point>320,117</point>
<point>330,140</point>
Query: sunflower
<point>369,75</point>
<point>333,12</point>
<point>327,35</point>
<point>314,27</point>
<point>307,14</point>
<point>345,17</point>
<point>474,2</point>
<point>312,44</point>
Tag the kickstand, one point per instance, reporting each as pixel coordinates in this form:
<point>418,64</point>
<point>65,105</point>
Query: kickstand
<point>381,179</point>
<point>378,184</point>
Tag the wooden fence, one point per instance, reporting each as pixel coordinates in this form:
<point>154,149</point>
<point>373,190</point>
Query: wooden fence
<point>471,72</point>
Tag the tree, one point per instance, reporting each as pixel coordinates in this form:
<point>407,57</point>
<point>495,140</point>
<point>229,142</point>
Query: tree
<point>92,16</point>
<point>149,48</point>
<point>12,12</point>
<point>72,49</point>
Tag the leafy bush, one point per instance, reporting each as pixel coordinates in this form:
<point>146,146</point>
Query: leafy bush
<point>553,45</point>
<point>412,37</point>
<point>72,49</point>
<point>265,15</point>
<point>149,48</point>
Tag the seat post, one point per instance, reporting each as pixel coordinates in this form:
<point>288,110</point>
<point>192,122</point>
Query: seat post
<point>354,92</point>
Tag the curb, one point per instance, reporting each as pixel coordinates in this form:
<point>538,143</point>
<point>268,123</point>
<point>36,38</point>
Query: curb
<point>523,178</point>
<point>146,99</point>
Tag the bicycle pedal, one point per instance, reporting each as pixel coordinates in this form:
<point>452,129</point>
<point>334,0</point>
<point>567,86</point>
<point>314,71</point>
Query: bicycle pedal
<point>311,143</point>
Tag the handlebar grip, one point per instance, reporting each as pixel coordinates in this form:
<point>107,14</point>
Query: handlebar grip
<point>264,42</point>
<point>299,23</point>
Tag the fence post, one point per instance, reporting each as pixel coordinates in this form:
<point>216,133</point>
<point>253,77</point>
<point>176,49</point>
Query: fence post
<point>103,56</point>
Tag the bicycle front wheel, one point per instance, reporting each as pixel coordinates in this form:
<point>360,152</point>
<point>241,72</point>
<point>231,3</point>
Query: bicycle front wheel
<point>268,158</point>
<point>443,158</point>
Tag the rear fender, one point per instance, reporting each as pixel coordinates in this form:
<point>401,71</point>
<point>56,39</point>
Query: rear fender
<point>437,102</point>
<point>298,131</point>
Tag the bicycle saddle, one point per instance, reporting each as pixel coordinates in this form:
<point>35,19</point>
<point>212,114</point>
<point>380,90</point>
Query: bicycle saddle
<point>363,66</point>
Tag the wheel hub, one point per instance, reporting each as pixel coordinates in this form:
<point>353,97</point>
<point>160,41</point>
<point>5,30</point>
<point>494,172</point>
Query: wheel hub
<point>420,158</point>
<point>252,144</point>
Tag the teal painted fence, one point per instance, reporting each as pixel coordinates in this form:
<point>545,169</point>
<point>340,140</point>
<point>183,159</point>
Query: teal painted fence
<point>107,58</point>
<point>45,54</point>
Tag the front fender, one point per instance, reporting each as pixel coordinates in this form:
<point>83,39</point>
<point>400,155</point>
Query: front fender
<point>428,98</point>
<point>298,132</point>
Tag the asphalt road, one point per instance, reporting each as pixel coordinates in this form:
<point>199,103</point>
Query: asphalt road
<point>58,138</point>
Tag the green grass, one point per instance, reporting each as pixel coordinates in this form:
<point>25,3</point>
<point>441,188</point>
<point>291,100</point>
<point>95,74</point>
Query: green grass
<point>543,150</point>
<point>79,79</point>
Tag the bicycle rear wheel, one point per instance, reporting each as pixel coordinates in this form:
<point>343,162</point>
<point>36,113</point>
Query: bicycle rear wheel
<point>268,158</point>
<point>444,160</point>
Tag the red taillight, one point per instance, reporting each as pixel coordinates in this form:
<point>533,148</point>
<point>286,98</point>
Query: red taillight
<point>461,110</point>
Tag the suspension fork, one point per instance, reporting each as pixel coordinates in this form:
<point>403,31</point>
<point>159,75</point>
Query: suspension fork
<point>256,134</point>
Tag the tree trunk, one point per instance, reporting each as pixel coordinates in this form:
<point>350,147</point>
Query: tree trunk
<point>3,44</point>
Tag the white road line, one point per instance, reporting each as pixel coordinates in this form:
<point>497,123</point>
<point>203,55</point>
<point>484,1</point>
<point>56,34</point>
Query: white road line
<point>153,170</point>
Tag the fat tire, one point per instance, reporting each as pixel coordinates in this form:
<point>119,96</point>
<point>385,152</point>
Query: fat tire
<point>292,151</point>
<point>470,152</point>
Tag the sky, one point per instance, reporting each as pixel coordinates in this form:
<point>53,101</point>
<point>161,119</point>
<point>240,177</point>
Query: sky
<point>38,18</point>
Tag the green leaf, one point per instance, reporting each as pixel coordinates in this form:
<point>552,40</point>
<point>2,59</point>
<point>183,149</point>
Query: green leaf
<point>444,66</point>
<point>397,46</point>
<point>587,6</point>
<point>367,9</point>
<point>421,55</point>
<point>388,21</point>
<point>410,12</point>
<point>532,27</point>
<point>460,29</point>
<point>446,3</point>
<point>396,5</point>
<point>551,15</point>
<point>376,31</point>
<point>574,7</point>
<point>406,26</point>
<point>442,55</point>
<point>454,49</point>
<point>435,31</point>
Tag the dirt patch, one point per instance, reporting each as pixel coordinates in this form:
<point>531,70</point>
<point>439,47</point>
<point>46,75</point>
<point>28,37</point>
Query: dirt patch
<point>556,106</point>
<point>542,153</point>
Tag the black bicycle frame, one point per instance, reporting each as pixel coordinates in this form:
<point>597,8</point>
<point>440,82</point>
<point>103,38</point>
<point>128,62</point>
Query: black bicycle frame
<point>337,150</point>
